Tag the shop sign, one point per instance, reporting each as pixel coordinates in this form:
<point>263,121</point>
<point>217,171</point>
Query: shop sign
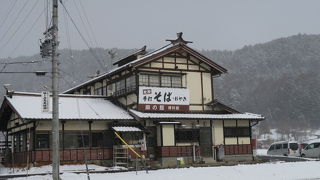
<point>45,98</point>
<point>163,99</point>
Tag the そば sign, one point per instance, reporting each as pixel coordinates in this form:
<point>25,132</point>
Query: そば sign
<point>163,99</point>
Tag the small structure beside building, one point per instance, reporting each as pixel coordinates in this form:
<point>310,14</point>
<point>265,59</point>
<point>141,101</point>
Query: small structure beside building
<point>162,104</point>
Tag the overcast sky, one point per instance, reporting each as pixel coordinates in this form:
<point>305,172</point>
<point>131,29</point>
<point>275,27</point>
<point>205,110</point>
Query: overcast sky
<point>210,24</point>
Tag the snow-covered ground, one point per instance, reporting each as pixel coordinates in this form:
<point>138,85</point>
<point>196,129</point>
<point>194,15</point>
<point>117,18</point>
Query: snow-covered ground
<point>63,168</point>
<point>274,171</point>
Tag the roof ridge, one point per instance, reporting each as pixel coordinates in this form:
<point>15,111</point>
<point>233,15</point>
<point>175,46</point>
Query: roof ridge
<point>20,93</point>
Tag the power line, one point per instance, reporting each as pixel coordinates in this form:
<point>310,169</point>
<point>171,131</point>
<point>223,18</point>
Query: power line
<point>82,37</point>
<point>26,34</point>
<point>8,13</point>
<point>67,33</point>
<point>90,27</point>
<point>84,25</point>
<point>23,21</point>
<point>4,67</point>
<point>15,19</point>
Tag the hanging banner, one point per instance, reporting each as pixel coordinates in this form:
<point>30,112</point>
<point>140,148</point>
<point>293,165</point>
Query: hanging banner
<point>163,99</point>
<point>45,98</point>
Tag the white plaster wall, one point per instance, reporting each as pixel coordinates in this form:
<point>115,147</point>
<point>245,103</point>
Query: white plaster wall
<point>217,132</point>
<point>168,134</point>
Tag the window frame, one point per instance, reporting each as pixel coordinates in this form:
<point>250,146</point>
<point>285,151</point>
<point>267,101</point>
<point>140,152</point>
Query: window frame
<point>182,136</point>
<point>145,79</point>
<point>236,131</point>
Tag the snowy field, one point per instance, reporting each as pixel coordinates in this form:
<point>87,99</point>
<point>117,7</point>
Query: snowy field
<point>268,171</point>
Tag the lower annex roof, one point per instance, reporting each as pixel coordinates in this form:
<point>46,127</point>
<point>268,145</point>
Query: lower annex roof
<point>239,116</point>
<point>71,107</point>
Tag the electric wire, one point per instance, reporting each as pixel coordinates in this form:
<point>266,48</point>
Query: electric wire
<point>3,68</point>
<point>84,25</point>
<point>21,24</point>
<point>15,19</point>
<point>66,25</point>
<point>46,8</point>
<point>69,49</point>
<point>8,13</point>
<point>26,34</point>
<point>90,27</point>
<point>82,37</point>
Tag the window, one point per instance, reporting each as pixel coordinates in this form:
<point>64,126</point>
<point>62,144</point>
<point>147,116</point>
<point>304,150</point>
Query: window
<point>131,83</point>
<point>104,90</point>
<point>132,137</point>
<point>272,147</point>
<point>163,80</point>
<point>120,87</point>
<point>102,139</point>
<point>236,131</point>
<point>285,146</point>
<point>42,141</point>
<point>294,146</point>
<point>176,81</point>
<point>76,140</point>
<point>278,146</point>
<point>154,80</point>
<point>23,142</point>
<point>166,81</point>
<point>310,146</point>
<point>243,131</point>
<point>143,80</point>
<point>15,142</point>
<point>110,89</point>
<point>187,135</point>
<point>98,91</point>
<point>97,139</point>
<point>87,91</point>
<point>230,132</point>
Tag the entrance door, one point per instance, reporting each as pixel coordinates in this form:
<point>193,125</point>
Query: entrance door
<point>206,141</point>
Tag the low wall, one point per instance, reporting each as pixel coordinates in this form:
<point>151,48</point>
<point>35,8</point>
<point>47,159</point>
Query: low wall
<point>237,149</point>
<point>65,155</point>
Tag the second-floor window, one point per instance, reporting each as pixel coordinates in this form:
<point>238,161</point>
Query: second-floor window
<point>154,80</point>
<point>121,87</point>
<point>87,91</point>
<point>98,91</point>
<point>125,86</point>
<point>131,83</point>
<point>163,80</point>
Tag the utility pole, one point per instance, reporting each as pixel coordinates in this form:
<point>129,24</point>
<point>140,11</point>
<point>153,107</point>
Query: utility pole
<point>55,97</point>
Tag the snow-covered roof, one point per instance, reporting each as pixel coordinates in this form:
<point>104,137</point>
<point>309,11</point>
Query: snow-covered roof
<point>126,129</point>
<point>243,116</point>
<point>121,67</point>
<point>165,49</point>
<point>77,107</point>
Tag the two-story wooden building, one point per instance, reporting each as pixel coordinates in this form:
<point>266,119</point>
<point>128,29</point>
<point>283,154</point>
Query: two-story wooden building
<point>168,106</point>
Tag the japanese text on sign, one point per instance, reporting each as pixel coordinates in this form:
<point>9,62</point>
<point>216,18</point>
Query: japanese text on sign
<point>173,96</point>
<point>45,101</point>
